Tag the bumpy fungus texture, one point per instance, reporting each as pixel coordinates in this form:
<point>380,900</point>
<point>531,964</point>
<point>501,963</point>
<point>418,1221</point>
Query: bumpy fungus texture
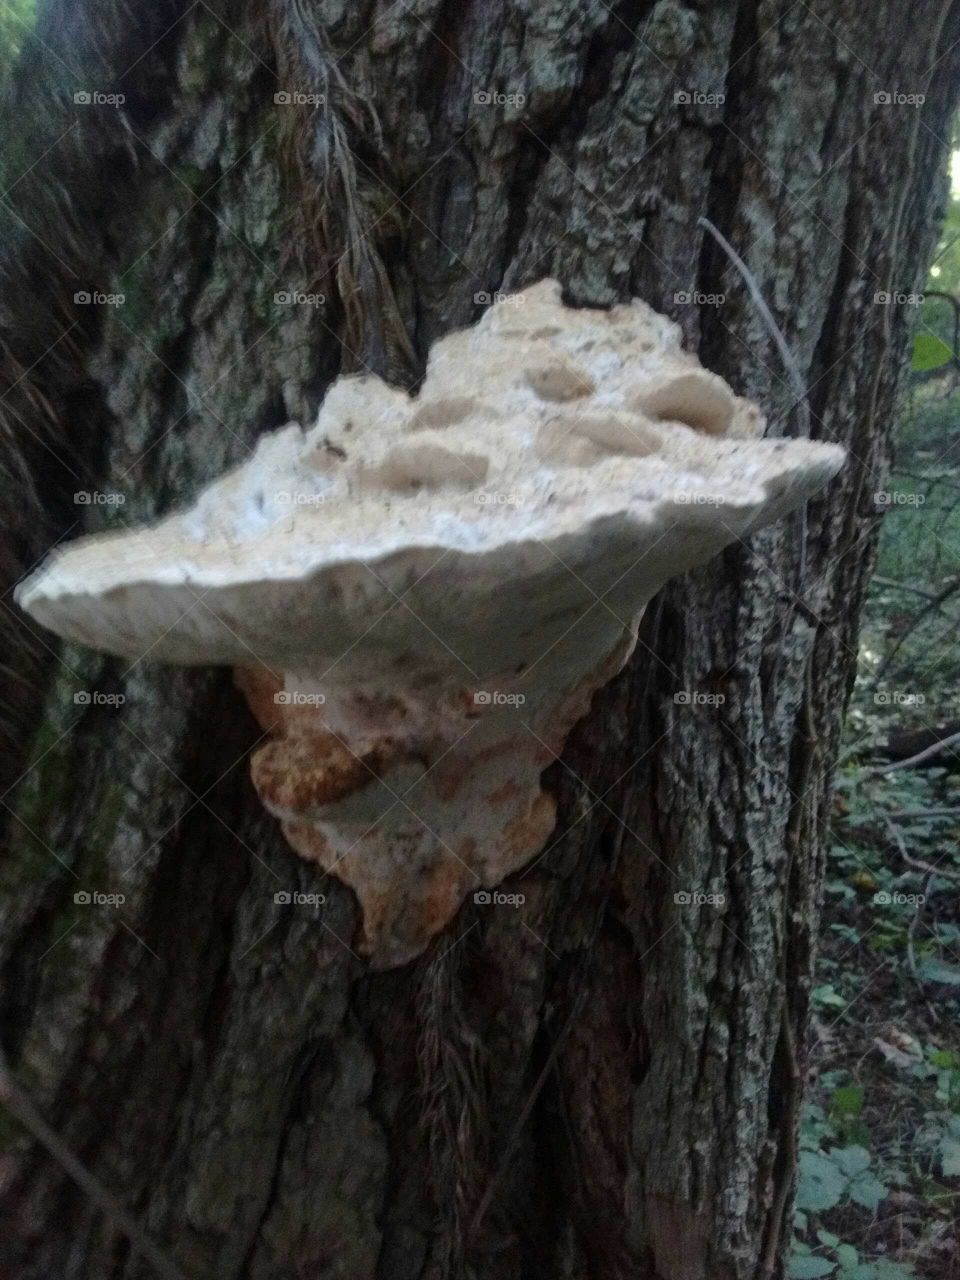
<point>421,594</point>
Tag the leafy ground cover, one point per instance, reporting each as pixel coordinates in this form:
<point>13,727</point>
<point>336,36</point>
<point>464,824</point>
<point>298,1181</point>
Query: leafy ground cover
<point>878,1194</point>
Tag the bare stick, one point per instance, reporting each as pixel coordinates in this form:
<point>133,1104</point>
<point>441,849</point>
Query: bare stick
<point>943,745</point>
<point>903,586</point>
<point>796,378</point>
<point>18,1103</point>
<point>786,355</point>
<point>917,863</point>
<point>903,815</point>
<point>487,1198</point>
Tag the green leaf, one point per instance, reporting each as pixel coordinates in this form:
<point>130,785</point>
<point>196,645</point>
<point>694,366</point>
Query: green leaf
<point>847,1255</point>
<point>937,971</point>
<point>820,1185</point>
<point>810,1268</point>
<point>950,1157</point>
<point>848,1100</point>
<point>852,1160</point>
<point>828,1238</point>
<point>929,352</point>
<point>828,996</point>
<point>884,1270</point>
<point>867,1190</point>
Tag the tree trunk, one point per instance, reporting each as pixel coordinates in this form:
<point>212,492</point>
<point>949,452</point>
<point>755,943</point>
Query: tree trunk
<point>604,1082</point>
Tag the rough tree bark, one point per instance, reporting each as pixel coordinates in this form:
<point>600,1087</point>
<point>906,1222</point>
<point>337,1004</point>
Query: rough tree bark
<point>603,1083</point>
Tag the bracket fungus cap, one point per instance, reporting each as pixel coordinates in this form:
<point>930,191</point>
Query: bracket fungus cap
<point>423,592</point>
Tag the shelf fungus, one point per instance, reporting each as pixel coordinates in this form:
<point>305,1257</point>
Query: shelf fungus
<point>422,593</point>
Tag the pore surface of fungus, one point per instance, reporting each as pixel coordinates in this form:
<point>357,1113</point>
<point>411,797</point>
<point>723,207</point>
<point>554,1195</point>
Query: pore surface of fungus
<point>421,593</point>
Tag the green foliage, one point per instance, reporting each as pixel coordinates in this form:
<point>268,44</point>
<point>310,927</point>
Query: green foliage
<point>16,20</point>
<point>826,1178</point>
<point>945,271</point>
<point>933,970</point>
<point>842,1261</point>
<point>808,1267</point>
<point>879,1169</point>
<point>930,351</point>
<point>949,1149</point>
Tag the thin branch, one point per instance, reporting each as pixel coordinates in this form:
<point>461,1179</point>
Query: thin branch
<point>487,1198</point>
<point>931,480</point>
<point>917,863</point>
<point>905,815</point>
<point>932,606</point>
<point>19,1104</point>
<point>903,586</point>
<point>912,930</point>
<point>786,355</point>
<point>912,761</point>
